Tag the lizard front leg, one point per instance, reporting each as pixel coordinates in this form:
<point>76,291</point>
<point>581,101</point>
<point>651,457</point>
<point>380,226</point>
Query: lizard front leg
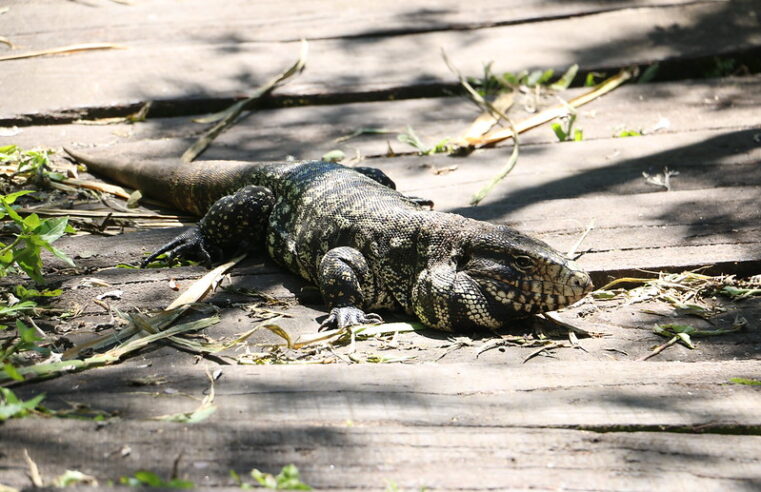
<point>232,222</point>
<point>345,282</point>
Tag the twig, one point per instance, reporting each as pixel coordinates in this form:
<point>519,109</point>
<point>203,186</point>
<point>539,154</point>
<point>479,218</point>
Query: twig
<point>74,48</point>
<point>539,351</point>
<point>575,247</point>
<point>554,318</point>
<point>498,115</point>
<point>555,111</point>
<point>226,118</point>
<point>34,471</point>
<point>657,350</point>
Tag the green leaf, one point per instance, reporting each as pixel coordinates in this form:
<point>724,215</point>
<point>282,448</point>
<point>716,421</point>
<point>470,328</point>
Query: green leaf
<point>149,478</point>
<point>592,78</point>
<point>565,81</point>
<point>559,132</point>
<point>648,74</point>
<point>12,373</point>
<point>60,254</point>
<point>7,257</point>
<point>290,479</point>
<point>12,213</point>
<point>7,311</point>
<point>537,77</point>
<point>628,133</point>
<point>28,259</point>
<point>26,333</point>
<point>134,199</point>
<point>74,477</point>
<point>178,483</point>
<point>52,229</point>
<point>31,222</point>
<point>11,197</point>
<point>264,479</point>
<point>24,293</point>
<point>8,149</point>
<point>747,382</point>
<point>12,406</point>
<point>578,135</point>
<point>334,156</point>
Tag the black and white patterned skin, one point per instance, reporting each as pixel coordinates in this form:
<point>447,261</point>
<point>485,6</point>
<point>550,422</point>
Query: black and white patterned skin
<point>365,245</point>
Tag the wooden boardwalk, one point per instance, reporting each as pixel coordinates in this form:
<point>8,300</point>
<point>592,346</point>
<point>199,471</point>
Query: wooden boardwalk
<point>455,413</point>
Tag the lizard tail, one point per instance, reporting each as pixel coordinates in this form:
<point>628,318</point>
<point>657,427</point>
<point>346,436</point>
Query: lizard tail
<point>191,187</point>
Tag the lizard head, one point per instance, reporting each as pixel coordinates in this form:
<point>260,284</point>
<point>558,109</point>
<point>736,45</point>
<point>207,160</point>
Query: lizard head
<point>490,274</point>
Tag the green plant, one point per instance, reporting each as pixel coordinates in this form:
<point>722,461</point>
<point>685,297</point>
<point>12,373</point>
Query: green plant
<point>25,341</point>
<point>565,130</point>
<point>627,133</point>
<point>288,479</point>
<point>31,164</point>
<point>31,236</point>
<point>149,479</point>
<point>411,138</point>
<point>491,83</point>
<point>12,406</point>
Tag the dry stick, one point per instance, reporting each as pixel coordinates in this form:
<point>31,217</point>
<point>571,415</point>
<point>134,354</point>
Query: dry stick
<point>74,48</point>
<point>575,247</point>
<point>539,351</point>
<point>657,350</point>
<point>34,471</point>
<point>554,318</point>
<point>498,115</point>
<point>555,111</point>
<point>228,117</point>
<point>7,42</point>
<point>54,212</point>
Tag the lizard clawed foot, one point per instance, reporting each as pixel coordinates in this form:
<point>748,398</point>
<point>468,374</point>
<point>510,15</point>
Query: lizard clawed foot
<point>346,316</point>
<point>189,243</point>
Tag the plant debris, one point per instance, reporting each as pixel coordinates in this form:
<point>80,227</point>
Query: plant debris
<point>226,118</point>
<point>64,50</point>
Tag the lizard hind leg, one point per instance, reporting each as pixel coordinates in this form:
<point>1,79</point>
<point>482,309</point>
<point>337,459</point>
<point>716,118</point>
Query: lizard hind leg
<point>382,178</point>
<point>232,223</point>
<point>345,282</point>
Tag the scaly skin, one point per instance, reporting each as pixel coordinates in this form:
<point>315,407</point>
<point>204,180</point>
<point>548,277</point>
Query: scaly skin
<point>365,245</point>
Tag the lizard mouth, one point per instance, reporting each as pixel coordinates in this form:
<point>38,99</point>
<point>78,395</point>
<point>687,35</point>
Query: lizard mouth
<point>491,295</point>
<point>506,298</point>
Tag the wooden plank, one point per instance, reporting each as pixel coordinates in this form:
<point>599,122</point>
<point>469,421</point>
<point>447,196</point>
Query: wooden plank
<point>368,420</point>
<point>580,393</point>
<point>38,25</point>
<point>369,457</point>
<point>309,132</point>
<point>170,70</point>
<point>558,190</point>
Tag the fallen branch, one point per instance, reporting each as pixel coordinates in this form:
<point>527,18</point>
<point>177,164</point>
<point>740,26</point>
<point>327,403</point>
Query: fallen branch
<point>227,117</point>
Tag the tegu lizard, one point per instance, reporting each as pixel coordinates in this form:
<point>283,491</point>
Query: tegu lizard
<point>365,245</point>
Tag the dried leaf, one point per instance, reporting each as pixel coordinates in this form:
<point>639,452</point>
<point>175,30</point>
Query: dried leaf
<point>203,285</point>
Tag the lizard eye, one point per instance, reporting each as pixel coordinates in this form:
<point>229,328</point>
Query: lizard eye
<point>461,260</point>
<point>524,263</point>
